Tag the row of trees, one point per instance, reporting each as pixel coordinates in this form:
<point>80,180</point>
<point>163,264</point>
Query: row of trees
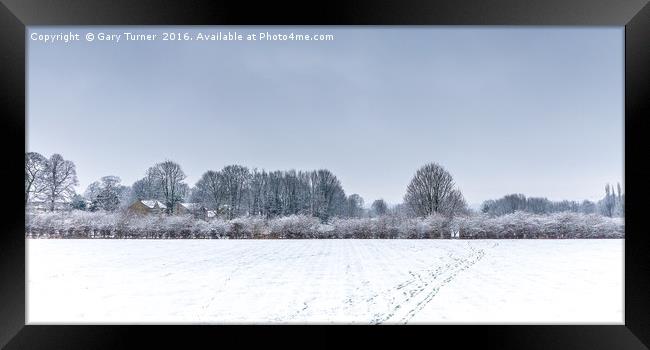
<point>277,193</point>
<point>236,191</point>
<point>612,205</point>
<point>49,179</point>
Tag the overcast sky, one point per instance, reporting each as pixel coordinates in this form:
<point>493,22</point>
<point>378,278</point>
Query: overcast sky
<point>537,111</point>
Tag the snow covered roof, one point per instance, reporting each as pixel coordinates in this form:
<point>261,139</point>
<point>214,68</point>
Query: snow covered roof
<point>152,204</point>
<point>190,206</point>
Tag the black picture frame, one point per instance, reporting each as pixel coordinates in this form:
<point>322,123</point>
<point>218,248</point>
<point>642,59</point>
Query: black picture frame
<point>15,15</point>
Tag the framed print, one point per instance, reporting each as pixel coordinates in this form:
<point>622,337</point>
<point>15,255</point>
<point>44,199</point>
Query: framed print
<point>423,169</point>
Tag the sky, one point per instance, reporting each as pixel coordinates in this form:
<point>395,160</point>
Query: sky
<point>532,110</point>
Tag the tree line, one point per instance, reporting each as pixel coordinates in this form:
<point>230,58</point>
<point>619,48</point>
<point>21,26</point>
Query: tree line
<point>611,205</point>
<point>237,191</point>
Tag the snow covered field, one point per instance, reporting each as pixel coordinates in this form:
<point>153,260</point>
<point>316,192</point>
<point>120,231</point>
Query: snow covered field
<point>325,281</point>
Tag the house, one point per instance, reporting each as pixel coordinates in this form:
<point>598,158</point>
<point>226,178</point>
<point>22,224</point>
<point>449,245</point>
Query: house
<point>196,209</point>
<point>146,207</point>
<point>188,208</point>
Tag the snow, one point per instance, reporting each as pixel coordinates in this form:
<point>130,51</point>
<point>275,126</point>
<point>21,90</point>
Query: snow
<point>325,281</point>
<point>152,204</point>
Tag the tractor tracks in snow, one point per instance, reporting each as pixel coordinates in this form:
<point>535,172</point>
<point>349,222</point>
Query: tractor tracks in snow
<point>421,288</point>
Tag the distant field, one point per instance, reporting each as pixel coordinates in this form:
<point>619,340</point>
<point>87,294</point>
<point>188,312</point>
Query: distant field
<point>325,281</point>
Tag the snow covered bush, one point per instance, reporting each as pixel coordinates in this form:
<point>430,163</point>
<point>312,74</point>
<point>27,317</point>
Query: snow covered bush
<point>352,228</point>
<point>48,224</point>
<point>247,227</point>
<point>435,226</point>
<point>294,226</point>
<point>517,225</point>
<point>178,226</point>
<point>555,225</point>
<point>200,229</point>
<point>142,226</point>
<point>325,231</point>
<point>218,228</point>
<point>385,227</point>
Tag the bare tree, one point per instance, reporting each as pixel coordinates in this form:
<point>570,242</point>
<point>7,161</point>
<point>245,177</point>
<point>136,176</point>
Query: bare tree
<point>379,207</point>
<point>432,191</point>
<point>488,206</point>
<point>279,193</point>
<point>209,189</point>
<point>235,182</point>
<point>291,193</point>
<point>327,195</point>
<point>455,204</point>
<point>93,190</point>
<point>354,206</point>
<point>538,205</point>
<point>60,179</point>
<point>168,176</point>
<point>257,192</point>
<point>147,187</point>
<point>106,194</point>
<point>126,196</point>
<point>273,201</point>
<point>35,167</point>
<point>511,203</point>
<point>402,211</point>
<point>587,207</point>
<point>620,201</point>
<point>609,202</point>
